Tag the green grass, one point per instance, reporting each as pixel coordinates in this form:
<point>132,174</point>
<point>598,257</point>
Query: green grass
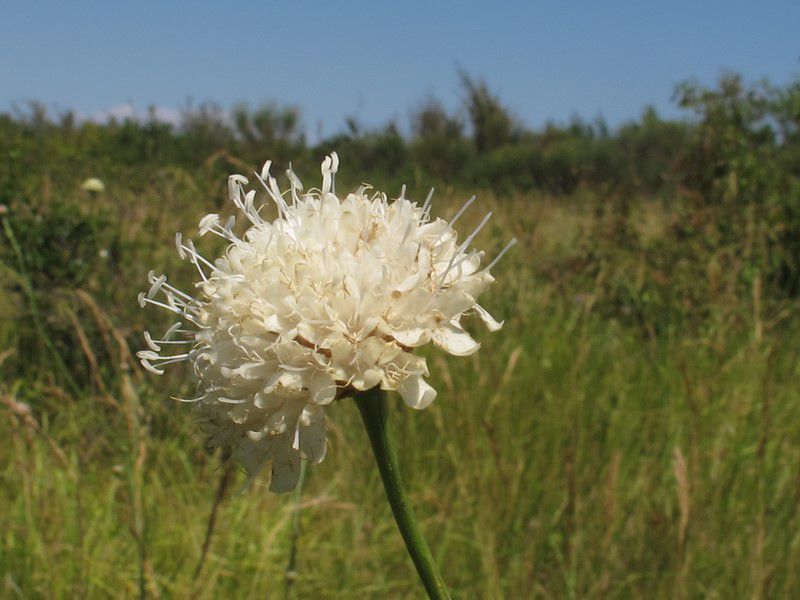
<point>579,454</point>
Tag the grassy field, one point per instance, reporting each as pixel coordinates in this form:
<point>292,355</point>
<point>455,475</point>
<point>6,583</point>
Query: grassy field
<point>593,448</point>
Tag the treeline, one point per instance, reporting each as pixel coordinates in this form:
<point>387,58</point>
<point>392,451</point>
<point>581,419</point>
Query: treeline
<point>726,131</point>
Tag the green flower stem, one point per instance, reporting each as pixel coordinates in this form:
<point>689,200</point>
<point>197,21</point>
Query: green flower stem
<point>374,412</point>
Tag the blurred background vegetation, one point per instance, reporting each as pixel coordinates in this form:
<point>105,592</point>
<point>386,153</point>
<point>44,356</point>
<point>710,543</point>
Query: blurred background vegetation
<point>634,431</point>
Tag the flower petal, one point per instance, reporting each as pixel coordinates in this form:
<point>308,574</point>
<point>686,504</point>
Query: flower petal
<point>284,383</point>
<point>416,392</point>
<point>285,468</point>
<point>411,336</point>
<point>475,284</point>
<point>451,338</point>
<point>366,380</point>
<point>314,441</point>
<point>491,323</point>
<point>322,388</point>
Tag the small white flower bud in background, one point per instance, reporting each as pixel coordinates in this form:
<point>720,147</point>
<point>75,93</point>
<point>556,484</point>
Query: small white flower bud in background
<point>93,185</point>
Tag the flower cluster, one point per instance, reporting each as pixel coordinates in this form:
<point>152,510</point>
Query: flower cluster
<point>331,296</point>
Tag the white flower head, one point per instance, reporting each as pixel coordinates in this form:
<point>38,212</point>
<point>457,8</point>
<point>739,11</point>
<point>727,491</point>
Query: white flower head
<point>330,297</point>
<point>93,184</point>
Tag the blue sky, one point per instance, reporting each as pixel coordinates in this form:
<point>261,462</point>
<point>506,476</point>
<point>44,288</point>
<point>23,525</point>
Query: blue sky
<point>376,61</point>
